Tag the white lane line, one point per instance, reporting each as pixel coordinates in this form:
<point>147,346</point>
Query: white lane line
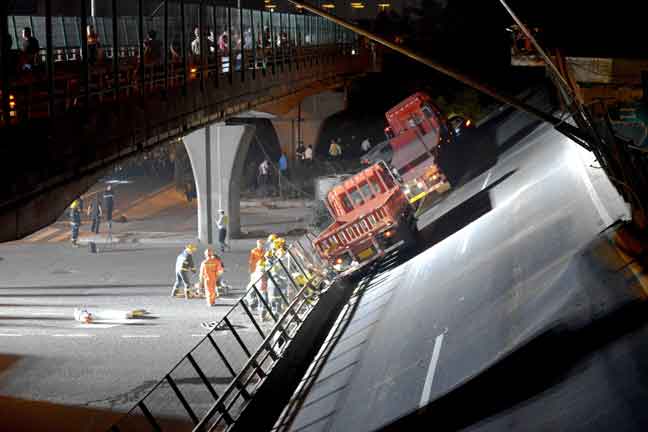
<point>75,335</point>
<point>594,196</point>
<point>487,178</point>
<point>41,234</point>
<point>199,335</point>
<point>427,387</point>
<point>140,336</point>
<point>97,326</point>
<point>46,313</point>
<point>10,335</point>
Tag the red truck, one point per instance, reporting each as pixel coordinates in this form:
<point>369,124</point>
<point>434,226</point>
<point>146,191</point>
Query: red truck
<point>416,133</point>
<point>371,216</point>
<point>373,211</point>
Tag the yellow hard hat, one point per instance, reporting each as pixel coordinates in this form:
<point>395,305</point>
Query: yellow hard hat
<point>74,204</point>
<point>279,242</point>
<point>191,247</point>
<point>272,237</point>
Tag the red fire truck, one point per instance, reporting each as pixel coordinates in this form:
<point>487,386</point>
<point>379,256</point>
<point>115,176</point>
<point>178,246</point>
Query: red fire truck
<point>373,211</point>
<point>371,216</point>
<point>417,130</point>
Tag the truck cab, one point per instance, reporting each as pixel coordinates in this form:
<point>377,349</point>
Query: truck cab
<point>417,130</point>
<point>371,215</point>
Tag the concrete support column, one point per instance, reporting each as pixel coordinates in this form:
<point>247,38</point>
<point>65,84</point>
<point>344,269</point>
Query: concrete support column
<point>217,153</point>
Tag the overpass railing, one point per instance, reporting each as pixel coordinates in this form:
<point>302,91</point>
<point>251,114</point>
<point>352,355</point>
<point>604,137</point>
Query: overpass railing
<point>85,61</point>
<point>211,384</point>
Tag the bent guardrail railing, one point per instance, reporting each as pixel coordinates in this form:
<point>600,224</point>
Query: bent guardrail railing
<point>214,380</point>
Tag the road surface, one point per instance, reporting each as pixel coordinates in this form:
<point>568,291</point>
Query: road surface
<point>515,256</point>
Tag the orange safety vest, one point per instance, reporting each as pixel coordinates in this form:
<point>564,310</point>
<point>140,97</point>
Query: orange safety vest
<point>255,255</point>
<point>210,269</point>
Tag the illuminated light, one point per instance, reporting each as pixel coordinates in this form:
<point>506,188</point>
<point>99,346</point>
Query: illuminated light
<point>328,5</point>
<point>434,177</point>
<point>388,234</point>
<point>468,122</point>
<point>420,185</point>
<point>383,6</point>
<point>353,51</point>
<point>12,104</point>
<point>271,7</point>
<point>338,261</point>
<point>193,70</point>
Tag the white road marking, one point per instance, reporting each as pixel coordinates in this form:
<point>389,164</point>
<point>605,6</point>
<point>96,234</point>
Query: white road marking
<point>600,208</point>
<point>75,335</point>
<point>10,335</point>
<point>46,313</point>
<point>427,387</point>
<point>487,178</point>
<point>140,336</point>
<point>97,326</point>
<point>464,244</point>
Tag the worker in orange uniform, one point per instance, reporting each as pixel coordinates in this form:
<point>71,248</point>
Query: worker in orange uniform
<point>256,254</point>
<point>210,271</point>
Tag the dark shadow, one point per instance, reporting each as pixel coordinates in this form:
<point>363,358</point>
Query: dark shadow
<point>460,216</point>
<point>542,363</point>
<point>7,361</point>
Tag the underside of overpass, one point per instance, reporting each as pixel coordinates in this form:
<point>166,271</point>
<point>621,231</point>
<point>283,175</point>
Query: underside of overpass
<point>51,161</point>
<point>218,152</point>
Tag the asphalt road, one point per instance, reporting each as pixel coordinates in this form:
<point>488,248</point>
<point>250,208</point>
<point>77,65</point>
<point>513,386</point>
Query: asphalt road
<point>514,264</point>
<point>47,356</point>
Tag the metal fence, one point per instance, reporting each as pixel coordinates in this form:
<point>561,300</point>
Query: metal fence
<point>135,54</point>
<point>210,385</point>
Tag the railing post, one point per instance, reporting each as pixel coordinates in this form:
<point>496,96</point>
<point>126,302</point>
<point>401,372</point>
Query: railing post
<point>273,43</point>
<point>203,44</point>
<point>140,37</point>
<point>231,62</point>
<point>85,70</point>
<point>115,42</point>
<point>183,46</point>
<point>166,45</point>
<point>254,44</point>
<point>217,57</point>
<point>49,56</point>
<point>242,50</point>
<point>4,59</point>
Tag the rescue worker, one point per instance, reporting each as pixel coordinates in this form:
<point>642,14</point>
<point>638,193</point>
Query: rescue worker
<point>75,221</point>
<point>261,277</point>
<point>269,244</point>
<point>95,212</point>
<point>184,265</point>
<point>256,254</point>
<point>211,270</point>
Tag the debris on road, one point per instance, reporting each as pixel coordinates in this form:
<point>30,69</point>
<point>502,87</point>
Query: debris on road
<point>89,316</point>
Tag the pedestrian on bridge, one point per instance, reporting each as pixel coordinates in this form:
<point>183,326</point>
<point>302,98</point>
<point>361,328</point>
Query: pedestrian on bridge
<point>184,265</point>
<point>211,270</point>
<point>108,204</point>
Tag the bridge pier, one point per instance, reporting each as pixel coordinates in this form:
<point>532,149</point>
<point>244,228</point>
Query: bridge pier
<point>217,153</point>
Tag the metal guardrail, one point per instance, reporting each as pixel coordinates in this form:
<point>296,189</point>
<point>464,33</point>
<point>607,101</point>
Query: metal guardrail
<point>209,386</point>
